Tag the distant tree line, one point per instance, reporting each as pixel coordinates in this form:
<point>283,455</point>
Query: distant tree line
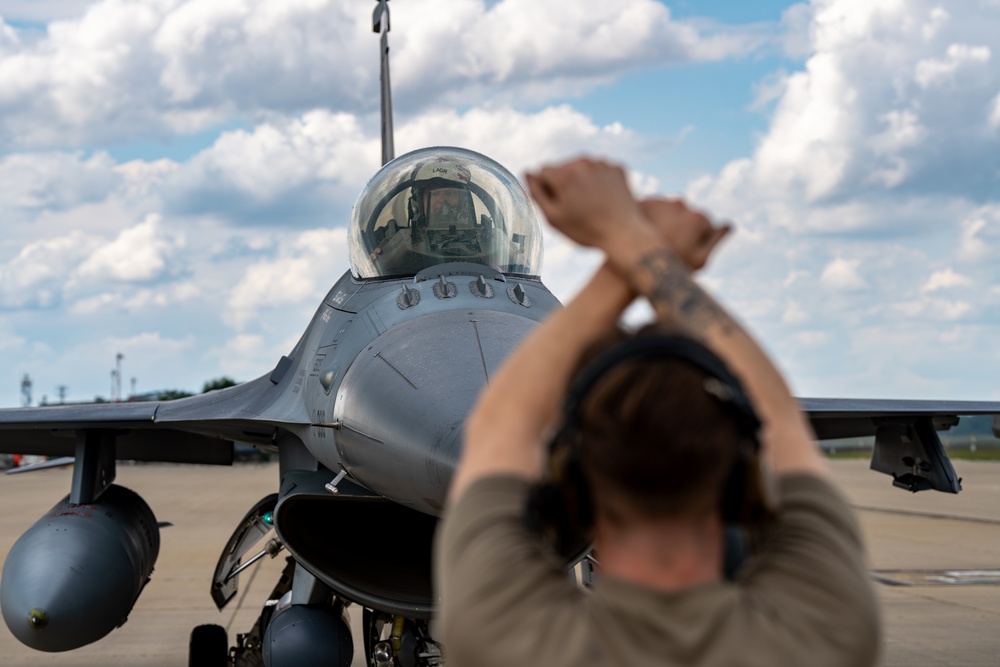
<point>172,394</point>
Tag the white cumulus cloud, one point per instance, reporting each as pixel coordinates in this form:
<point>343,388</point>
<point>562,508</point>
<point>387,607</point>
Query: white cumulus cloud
<point>862,115</point>
<point>933,71</point>
<point>944,279</point>
<point>878,166</point>
<point>124,69</point>
<point>303,169</point>
<point>979,239</point>
<point>994,112</point>
<point>139,253</point>
<point>36,276</point>
<point>303,270</point>
<point>54,180</point>
<point>842,274</point>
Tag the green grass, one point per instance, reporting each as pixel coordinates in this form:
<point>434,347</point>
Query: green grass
<point>981,454</point>
<point>849,454</point>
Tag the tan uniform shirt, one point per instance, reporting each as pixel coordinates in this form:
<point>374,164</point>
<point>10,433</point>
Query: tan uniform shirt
<point>806,599</point>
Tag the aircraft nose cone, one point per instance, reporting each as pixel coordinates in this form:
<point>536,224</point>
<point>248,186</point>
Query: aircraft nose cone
<point>404,400</point>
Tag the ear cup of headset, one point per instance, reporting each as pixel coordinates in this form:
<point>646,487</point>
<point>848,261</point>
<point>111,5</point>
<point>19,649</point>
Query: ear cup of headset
<point>561,509</point>
<point>746,498</point>
<point>759,500</point>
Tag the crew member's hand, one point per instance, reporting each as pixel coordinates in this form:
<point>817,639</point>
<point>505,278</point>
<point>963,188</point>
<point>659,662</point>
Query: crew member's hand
<point>690,234</point>
<point>587,200</point>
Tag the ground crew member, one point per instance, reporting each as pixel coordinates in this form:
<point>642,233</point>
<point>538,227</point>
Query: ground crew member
<point>655,441</point>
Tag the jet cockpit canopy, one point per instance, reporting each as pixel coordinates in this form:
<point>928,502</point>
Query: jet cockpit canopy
<point>443,204</point>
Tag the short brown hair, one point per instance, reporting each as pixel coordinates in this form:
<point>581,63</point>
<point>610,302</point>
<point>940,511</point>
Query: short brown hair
<point>653,442</point>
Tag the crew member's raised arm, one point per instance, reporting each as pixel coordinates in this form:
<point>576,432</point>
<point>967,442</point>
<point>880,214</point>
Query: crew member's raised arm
<point>511,422</point>
<point>590,202</point>
<point>507,429</point>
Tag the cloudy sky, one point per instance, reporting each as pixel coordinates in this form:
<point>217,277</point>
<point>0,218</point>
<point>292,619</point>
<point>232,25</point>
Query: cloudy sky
<point>176,175</point>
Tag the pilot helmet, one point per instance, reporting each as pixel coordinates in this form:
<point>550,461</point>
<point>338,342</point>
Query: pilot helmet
<point>441,197</point>
<point>440,205</point>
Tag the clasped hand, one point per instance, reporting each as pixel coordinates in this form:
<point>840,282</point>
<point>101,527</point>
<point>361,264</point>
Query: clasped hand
<point>590,202</point>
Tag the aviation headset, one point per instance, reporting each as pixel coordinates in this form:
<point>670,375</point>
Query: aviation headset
<point>561,509</point>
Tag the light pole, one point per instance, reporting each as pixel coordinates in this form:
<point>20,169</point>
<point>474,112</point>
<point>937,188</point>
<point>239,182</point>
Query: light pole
<point>118,377</point>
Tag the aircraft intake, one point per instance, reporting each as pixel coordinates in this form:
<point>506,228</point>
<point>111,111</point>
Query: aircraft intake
<point>75,575</point>
<point>401,407</point>
<point>366,548</point>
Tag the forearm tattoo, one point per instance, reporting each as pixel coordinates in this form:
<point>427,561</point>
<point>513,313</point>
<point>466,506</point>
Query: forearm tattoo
<point>676,297</point>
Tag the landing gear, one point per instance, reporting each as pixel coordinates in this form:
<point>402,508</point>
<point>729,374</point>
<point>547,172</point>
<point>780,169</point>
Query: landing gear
<point>299,626</point>
<point>303,622</point>
<point>396,641</point>
<point>317,633</point>
<point>249,649</point>
<point>209,647</point>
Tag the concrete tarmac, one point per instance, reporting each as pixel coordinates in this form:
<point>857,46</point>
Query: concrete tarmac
<point>937,558</point>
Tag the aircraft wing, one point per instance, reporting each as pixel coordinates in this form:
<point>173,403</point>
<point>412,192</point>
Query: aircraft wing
<point>198,429</point>
<point>907,445</point>
<point>849,417</point>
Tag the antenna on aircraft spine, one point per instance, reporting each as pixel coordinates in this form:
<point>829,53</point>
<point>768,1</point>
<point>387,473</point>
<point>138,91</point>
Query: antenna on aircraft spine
<point>380,24</point>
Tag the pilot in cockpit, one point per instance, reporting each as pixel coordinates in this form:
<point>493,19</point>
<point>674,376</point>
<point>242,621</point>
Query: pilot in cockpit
<point>442,199</point>
<point>443,205</point>
<point>446,207</point>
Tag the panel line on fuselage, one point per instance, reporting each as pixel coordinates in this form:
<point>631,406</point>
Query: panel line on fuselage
<point>389,364</point>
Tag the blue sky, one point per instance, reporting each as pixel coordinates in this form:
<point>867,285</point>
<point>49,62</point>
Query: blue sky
<point>175,177</point>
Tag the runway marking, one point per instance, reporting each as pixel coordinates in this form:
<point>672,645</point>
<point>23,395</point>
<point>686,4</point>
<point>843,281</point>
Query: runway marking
<point>928,515</point>
<point>937,577</point>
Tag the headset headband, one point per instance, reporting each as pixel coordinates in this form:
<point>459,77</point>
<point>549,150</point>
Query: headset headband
<point>729,391</point>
